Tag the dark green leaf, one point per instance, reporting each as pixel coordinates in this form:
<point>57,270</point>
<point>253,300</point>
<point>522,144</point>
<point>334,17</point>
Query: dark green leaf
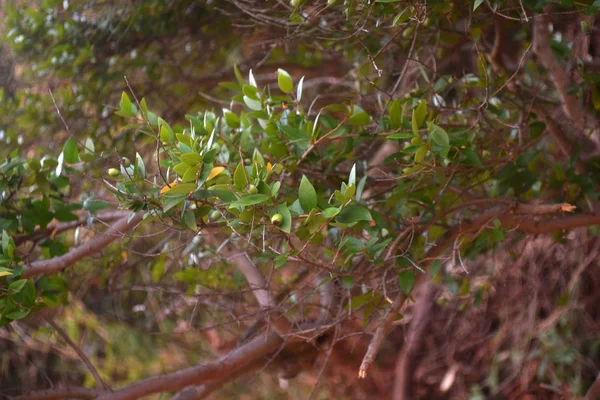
<point>406,279</point>
<point>189,219</point>
<point>353,214</point>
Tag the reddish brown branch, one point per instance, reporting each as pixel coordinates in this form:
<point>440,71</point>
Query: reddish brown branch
<point>414,341</point>
<point>94,245</point>
<point>65,226</point>
<point>259,288</point>
<point>380,334</point>
<point>225,366</point>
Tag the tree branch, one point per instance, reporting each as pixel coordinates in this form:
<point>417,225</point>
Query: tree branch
<point>414,341</point>
<point>65,226</point>
<point>259,288</point>
<point>200,392</point>
<point>94,245</point>
<point>78,350</point>
<point>380,334</point>
<point>224,366</point>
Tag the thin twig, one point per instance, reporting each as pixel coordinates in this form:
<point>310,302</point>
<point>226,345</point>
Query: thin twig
<point>78,350</point>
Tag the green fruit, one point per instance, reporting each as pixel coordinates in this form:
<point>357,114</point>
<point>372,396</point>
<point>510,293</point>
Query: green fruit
<point>252,189</point>
<point>114,172</point>
<point>277,219</point>
<point>215,215</point>
<point>125,161</point>
<point>384,232</point>
<point>407,33</point>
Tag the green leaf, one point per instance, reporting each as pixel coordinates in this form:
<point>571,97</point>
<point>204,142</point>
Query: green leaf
<point>352,177</point>
<point>330,212</point>
<point>127,107</point>
<point>299,89</point>
<point>16,286</point>
<point>182,188</point>
<point>252,104</point>
<point>395,114</point>
<point>359,116</point>
<point>251,79</point>
<point>353,214</point>
<point>18,314</point>
<point>286,224</point>
<point>232,120</point>
<point>284,81</point>
<point>239,177</point>
<point>307,195</point>
<point>439,136</point>
<point>190,174</point>
<point>5,273</point>
<point>5,242</point>
<point>166,133</point>
<point>250,91</point>
<point>418,116</point>
<point>420,153</point>
<point>191,158</point>
<point>140,168</point>
<point>70,152</point>
<point>238,74</point>
<point>476,4</point>
<point>435,267</point>
<point>189,219</point>
<point>280,260</point>
<point>250,200</point>
<point>406,279</point>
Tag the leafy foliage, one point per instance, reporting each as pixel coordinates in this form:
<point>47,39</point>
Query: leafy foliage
<point>280,171</point>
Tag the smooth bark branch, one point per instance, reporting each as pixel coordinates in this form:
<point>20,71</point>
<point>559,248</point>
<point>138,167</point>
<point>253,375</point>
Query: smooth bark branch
<point>259,287</point>
<point>540,209</point>
<point>381,333</point>
<point>65,226</point>
<point>201,374</point>
<point>61,393</point>
<point>93,246</point>
<point>414,341</point>
<point>200,392</point>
